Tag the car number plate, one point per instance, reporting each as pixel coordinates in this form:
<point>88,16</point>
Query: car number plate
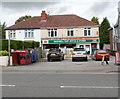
<point>52,54</point>
<point>102,54</point>
<point>78,53</point>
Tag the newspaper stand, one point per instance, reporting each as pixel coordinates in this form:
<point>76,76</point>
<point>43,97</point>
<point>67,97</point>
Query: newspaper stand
<point>117,58</point>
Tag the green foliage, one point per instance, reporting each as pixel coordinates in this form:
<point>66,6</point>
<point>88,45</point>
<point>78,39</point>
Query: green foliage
<point>95,20</point>
<point>22,18</point>
<point>16,44</point>
<point>2,30</point>
<point>4,53</point>
<point>104,33</point>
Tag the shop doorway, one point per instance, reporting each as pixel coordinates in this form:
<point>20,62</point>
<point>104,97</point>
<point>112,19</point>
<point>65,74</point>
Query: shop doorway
<point>87,47</point>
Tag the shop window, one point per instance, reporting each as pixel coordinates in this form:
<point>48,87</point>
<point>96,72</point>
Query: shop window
<point>70,32</point>
<point>87,31</point>
<point>52,32</point>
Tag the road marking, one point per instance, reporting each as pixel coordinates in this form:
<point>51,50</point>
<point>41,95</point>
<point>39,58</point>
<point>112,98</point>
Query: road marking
<point>101,87</point>
<point>7,85</point>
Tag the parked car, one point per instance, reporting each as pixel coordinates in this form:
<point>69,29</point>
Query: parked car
<point>55,54</point>
<point>98,54</point>
<point>79,54</point>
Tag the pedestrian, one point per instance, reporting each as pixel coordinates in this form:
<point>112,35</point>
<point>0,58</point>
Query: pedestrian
<point>104,59</point>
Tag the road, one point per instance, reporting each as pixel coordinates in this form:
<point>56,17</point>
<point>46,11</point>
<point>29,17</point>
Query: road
<point>61,79</point>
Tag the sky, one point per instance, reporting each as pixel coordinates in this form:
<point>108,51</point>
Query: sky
<point>11,10</point>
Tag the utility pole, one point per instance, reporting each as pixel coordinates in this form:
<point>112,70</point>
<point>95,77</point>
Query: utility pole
<point>9,48</point>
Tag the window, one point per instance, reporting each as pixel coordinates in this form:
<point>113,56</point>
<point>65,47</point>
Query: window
<point>87,31</point>
<point>52,32</point>
<point>70,32</point>
<point>25,34</point>
<point>29,33</point>
<point>12,34</point>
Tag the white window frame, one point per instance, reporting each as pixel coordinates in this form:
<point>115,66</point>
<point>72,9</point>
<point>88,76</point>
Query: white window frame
<point>70,32</point>
<point>88,31</point>
<point>52,32</point>
<point>12,34</point>
<point>29,33</point>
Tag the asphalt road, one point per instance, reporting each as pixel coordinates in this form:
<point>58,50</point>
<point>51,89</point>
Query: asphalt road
<point>60,79</point>
<point>59,85</point>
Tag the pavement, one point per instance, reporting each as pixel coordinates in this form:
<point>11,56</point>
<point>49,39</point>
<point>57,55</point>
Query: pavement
<point>66,66</point>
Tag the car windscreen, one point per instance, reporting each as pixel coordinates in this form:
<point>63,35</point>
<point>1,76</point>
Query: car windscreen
<point>79,49</point>
<point>102,51</point>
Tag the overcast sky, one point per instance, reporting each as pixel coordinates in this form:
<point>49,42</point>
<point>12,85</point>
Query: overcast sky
<point>11,11</point>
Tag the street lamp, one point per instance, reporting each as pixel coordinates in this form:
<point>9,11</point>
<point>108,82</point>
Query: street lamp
<point>9,48</point>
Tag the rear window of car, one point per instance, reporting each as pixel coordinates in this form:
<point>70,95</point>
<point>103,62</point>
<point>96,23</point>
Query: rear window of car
<point>79,49</point>
<point>54,50</point>
<point>102,51</point>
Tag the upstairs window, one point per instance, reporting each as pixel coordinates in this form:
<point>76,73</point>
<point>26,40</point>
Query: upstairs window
<point>70,32</point>
<point>12,34</point>
<point>87,31</point>
<point>52,32</point>
<point>29,33</point>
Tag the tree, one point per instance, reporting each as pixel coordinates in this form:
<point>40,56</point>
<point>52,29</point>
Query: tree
<point>22,18</point>
<point>95,20</point>
<point>2,30</point>
<point>104,33</point>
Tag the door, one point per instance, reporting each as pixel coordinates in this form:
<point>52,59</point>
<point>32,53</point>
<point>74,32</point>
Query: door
<point>87,47</point>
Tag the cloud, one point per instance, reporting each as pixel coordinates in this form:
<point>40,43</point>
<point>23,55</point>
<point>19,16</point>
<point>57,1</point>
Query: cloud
<point>99,7</point>
<point>21,6</point>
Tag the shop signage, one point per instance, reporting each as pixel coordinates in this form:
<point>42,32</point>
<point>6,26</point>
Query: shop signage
<point>70,41</point>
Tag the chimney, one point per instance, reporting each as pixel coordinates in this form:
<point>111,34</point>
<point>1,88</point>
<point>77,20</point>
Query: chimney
<point>43,16</point>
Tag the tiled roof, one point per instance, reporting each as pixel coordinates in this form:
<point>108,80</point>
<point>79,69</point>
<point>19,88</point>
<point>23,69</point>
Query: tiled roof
<point>53,21</point>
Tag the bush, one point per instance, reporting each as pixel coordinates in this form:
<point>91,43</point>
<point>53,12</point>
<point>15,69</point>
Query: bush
<point>16,44</point>
<point>4,53</point>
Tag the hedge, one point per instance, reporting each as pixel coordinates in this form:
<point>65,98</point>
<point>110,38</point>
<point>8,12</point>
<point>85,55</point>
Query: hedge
<point>16,44</point>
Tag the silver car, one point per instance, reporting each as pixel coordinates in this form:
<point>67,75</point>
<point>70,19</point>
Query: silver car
<point>79,54</point>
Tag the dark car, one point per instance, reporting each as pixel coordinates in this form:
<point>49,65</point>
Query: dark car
<point>55,54</point>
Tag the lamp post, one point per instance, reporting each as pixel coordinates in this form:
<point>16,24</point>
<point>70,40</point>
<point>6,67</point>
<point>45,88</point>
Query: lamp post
<point>9,48</point>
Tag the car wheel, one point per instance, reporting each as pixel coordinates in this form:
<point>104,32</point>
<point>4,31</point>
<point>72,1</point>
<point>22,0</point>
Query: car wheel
<point>73,59</point>
<point>50,60</point>
<point>86,59</point>
<point>108,59</point>
<point>63,58</point>
<point>60,59</point>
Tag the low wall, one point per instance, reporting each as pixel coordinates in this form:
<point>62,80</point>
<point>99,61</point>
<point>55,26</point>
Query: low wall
<point>4,60</point>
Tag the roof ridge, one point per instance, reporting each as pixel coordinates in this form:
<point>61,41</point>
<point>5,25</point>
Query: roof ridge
<point>57,15</point>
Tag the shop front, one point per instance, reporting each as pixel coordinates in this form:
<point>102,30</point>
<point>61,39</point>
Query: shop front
<point>89,44</point>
